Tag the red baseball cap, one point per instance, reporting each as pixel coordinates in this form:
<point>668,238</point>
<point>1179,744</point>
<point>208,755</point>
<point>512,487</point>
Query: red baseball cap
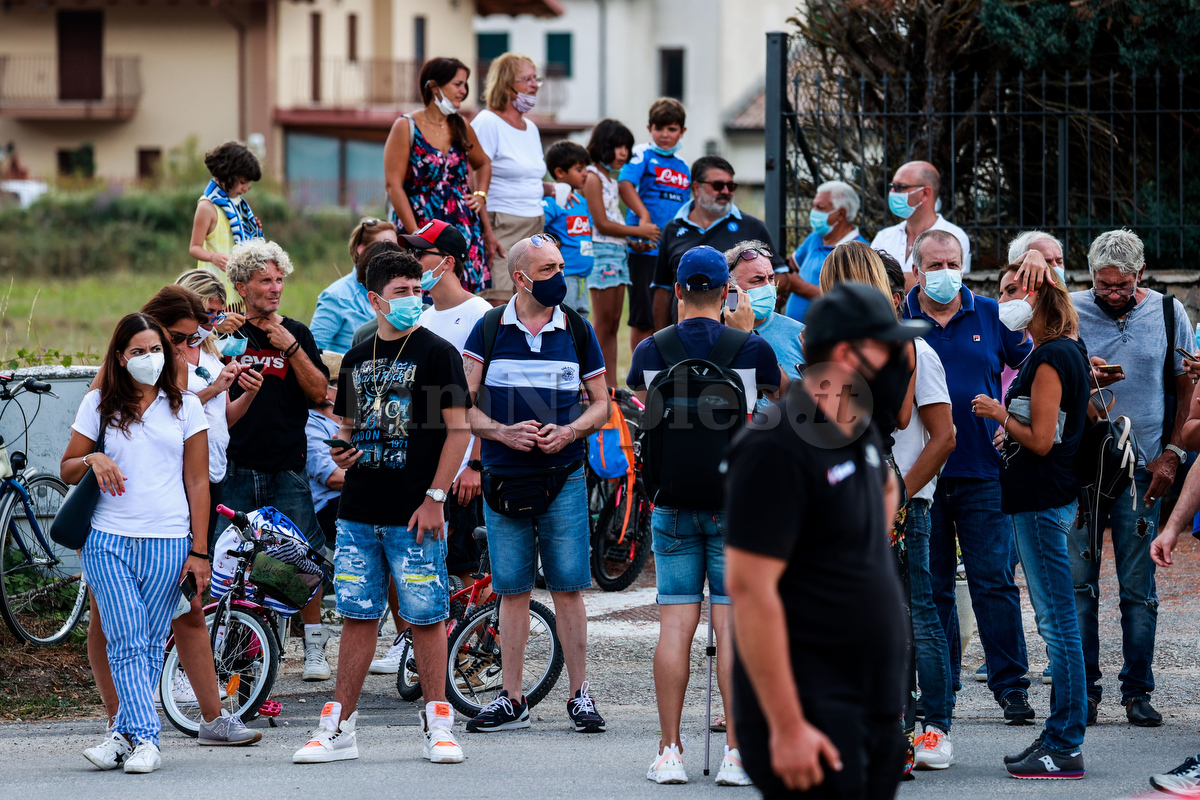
<point>438,235</point>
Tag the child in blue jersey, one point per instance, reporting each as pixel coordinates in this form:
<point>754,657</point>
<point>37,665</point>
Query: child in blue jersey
<point>568,221</point>
<point>654,186</point>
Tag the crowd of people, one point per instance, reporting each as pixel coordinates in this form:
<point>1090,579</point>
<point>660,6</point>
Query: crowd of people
<point>465,360</point>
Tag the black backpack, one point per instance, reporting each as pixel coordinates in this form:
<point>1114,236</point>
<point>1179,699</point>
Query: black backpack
<point>576,324</point>
<point>1105,463</point>
<point>694,408</point>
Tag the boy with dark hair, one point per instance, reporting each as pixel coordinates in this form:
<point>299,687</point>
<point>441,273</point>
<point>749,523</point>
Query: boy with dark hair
<point>567,218</point>
<point>402,397</point>
<point>654,186</point>
<point>223,217</point>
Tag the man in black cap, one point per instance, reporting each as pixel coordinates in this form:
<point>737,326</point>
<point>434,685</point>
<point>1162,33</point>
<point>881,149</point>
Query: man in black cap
<point>818,614</point>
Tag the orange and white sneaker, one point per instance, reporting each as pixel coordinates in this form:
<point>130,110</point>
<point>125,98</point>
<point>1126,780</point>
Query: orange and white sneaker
<point>330,741</point>
<point>437,721</point>
<point>933,750</point>
<point>732,773</point>
<point>668,766</point>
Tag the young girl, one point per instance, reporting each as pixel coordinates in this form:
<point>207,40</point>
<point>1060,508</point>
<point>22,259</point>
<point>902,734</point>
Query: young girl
<point>609,149</point>
<point>223,217</point>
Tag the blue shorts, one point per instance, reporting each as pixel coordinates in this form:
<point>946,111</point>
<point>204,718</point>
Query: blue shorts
<point>367,555</point>
<point>563,540</point>
<point>688,546</point>
<point>610,266</point>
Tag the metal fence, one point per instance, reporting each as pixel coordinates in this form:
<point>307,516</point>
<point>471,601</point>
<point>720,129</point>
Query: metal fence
<point>1072,153</point>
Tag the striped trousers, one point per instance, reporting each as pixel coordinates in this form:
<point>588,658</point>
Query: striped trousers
<point>136,584</point>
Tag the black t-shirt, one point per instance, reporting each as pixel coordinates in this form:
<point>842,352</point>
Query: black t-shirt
<point>840,591</point>
<point>682,235</point>
<point>395,399</point>
<point>1029,482</point>
<point>270,437</point>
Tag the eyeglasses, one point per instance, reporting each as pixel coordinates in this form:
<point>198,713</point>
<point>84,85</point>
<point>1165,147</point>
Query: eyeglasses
<point>543,239</point>
<point>754,252</point>
<point>720,186</point>
<point>179,338</point>
<point>1119,291</point>
<point>905,187</point>
<point>533,80</point>
<point>214,317</point>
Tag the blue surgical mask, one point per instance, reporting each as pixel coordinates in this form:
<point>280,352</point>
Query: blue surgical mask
<point>666,151</point>
<point>404,312</point>
<point>943,284</point>
<point>1062,276</point>
<point>762,300</point>
<point>232,346</point>
<point>429,280</point>
<point>819,222</point>
<point>898,204</point>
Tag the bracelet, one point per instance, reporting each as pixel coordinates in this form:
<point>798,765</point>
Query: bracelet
<point>291,351</point>
<point>574,433</point>
<point>194,554</point>
<point>85,458</point>
<point>480,193</point>
<point>1004,424</point>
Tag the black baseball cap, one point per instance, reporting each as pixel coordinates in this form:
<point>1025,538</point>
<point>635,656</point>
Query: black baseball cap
<point>853,310</point>
<point>438,235</point>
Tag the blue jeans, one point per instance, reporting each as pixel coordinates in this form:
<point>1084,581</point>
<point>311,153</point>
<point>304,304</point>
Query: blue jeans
<point>1132,531</point>
<point>562,539</point>
<point>688,546</point>
<point>247,489</point>
<point>971,507</point>
<point>1042,544</point>
<point>368,555</point>
<point>932,652</point>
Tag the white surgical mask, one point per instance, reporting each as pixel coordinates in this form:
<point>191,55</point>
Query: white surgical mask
<point>443,104</point>
<point>1016,314</point>
<point>146,368</point>
<point>204,334</point>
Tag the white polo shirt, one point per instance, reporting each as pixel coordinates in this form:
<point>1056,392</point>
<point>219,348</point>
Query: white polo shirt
<point>894,241</point>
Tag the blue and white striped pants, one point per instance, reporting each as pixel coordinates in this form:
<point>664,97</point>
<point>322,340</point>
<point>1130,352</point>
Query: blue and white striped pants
<point>136,584</point>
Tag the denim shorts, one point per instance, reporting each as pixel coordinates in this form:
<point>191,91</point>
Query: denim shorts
<point>367,555</point>
<point>562,538</point>
<point>610,266</point>
<point>688,546</point>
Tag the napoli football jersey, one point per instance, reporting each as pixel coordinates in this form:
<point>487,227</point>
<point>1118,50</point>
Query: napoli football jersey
<point>662,183</point>
<point>572,226</point>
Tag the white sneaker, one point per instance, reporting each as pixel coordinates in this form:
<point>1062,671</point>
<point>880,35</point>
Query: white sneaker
<point>440,745</point>
<point>390,663</point>
<point>330,742</point>
<point>933,750</point>
<point>732,773</point>
<point>145,759</point>
<point>181,690</point>
<point>110,753</point>
<point>668,766</point>
<point>316,668</point>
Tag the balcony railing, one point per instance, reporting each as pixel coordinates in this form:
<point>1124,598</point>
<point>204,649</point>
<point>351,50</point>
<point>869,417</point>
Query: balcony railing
<point>47,87</point>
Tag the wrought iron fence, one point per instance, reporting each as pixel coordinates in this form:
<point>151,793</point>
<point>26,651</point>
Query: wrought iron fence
<point>1073,153</point>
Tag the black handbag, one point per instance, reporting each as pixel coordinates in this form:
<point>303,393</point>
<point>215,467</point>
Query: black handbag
<point>526,495</point>
<point>73,522</point>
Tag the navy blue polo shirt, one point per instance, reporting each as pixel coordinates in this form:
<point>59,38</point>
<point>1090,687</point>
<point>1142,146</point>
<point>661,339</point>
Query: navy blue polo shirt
<point>974,347</point>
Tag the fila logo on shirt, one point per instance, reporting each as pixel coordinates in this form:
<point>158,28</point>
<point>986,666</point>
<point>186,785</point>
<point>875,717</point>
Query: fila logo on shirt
<point>665,176</point>
<point>836,475</point>
<point>579,226</point>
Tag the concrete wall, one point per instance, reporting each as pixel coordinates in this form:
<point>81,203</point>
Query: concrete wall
<point>51,428</point>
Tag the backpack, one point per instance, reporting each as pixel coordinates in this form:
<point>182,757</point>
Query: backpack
<point>576,324</point>
<point>1105,463</point>
<point>694,408</point>
<point>610,449</point>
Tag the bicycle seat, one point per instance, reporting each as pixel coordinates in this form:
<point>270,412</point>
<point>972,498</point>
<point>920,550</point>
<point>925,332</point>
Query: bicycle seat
<point>480,534</point>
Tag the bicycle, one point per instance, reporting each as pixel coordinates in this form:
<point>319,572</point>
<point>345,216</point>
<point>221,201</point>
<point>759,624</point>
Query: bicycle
<point>621,513</point>
<point>244,633</point>
<point>42,591</point>
<point>474,674</point>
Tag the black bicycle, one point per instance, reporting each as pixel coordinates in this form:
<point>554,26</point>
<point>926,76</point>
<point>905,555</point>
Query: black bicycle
<point>42,591</point>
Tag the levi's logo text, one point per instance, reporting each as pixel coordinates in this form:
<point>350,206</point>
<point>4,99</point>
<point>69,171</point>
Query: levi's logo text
<point>273,362</point>
<point>836,475</point>
<point>579,226</point>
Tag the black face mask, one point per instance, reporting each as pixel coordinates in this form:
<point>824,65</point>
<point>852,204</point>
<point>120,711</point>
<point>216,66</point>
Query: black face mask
<point>888,387</point>
<point>1115,313</point>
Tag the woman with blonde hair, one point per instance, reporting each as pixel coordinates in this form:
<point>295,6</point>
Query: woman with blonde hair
<point>512,142</point>
<point>1043,419</point>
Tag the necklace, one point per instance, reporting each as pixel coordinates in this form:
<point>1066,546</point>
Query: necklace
<point>376,384</point>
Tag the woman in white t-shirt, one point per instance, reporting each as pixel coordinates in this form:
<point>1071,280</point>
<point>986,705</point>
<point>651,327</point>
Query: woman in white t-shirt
<point>512,142</point>
<point>150,523</point>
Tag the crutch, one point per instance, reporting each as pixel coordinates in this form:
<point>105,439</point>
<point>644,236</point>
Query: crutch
<point>709,652</point>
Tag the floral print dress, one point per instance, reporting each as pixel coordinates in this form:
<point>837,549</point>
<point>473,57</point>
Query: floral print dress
<point>437,188</point>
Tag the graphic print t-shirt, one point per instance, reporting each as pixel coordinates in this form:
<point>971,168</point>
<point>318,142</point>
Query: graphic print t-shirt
<point>395,399</point>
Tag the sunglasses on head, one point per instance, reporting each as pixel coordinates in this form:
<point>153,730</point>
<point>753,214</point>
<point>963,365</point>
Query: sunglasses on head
<point>179,338</point>
<point>542,239</point>
<point>720,186</point>
<point>371,223</point>
<point>754,252</point>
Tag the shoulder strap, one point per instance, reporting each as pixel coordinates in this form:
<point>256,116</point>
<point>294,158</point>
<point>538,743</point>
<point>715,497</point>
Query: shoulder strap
<point>1169,366</point>
<point>99,448</point>
<point>728,345</point>
<point>670,346</point>
<point>579,334</point>
<point>491,327</point>
<point>412,130</point>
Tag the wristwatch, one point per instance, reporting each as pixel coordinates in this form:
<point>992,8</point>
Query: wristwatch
<point>437,494</point>
<point>1179,452</point>
<point>475,464</point>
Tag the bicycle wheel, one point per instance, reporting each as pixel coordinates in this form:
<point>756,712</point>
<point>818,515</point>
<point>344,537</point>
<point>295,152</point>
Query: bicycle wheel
<point>617,561</point>
<point>408,683</point>
<point>475,675</point>
<point>246,669</point>
<point>42,593</point>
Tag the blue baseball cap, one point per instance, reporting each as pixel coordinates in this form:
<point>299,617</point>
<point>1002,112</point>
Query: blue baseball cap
<point>702,268</point>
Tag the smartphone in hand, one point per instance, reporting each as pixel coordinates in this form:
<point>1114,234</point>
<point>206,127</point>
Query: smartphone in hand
<point>338,444</point>
<point>188,587</point>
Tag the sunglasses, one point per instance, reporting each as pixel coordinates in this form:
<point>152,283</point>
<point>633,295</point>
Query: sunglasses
<point>905,187</point>
<point>542,239</point>
<point>214,317</point>
<point>371,223</point>
<point>179,338</point>
<point>755,252</point>
<point>720,186</point>
<point>204,375</point>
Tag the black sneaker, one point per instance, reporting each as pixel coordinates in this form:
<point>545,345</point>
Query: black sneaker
<point>1021,756</point>
<point>1140,713</point>
<point>582,711</point>
<point>502,714</point>
<point>1016,708</point>
<point>1183,781</point>
<point>1093,711</point>
<point>1044,765</point>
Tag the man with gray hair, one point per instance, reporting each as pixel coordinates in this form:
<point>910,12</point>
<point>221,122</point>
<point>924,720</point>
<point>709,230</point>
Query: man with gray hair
<point>1131,335</point>
<point>913,197</point>
<point>755,275</point>
<point>1043,244</point>
<point>834,208</point>
<point>268,445</point>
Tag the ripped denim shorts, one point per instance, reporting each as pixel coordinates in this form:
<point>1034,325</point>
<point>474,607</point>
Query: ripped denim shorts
<point>367,555</point>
